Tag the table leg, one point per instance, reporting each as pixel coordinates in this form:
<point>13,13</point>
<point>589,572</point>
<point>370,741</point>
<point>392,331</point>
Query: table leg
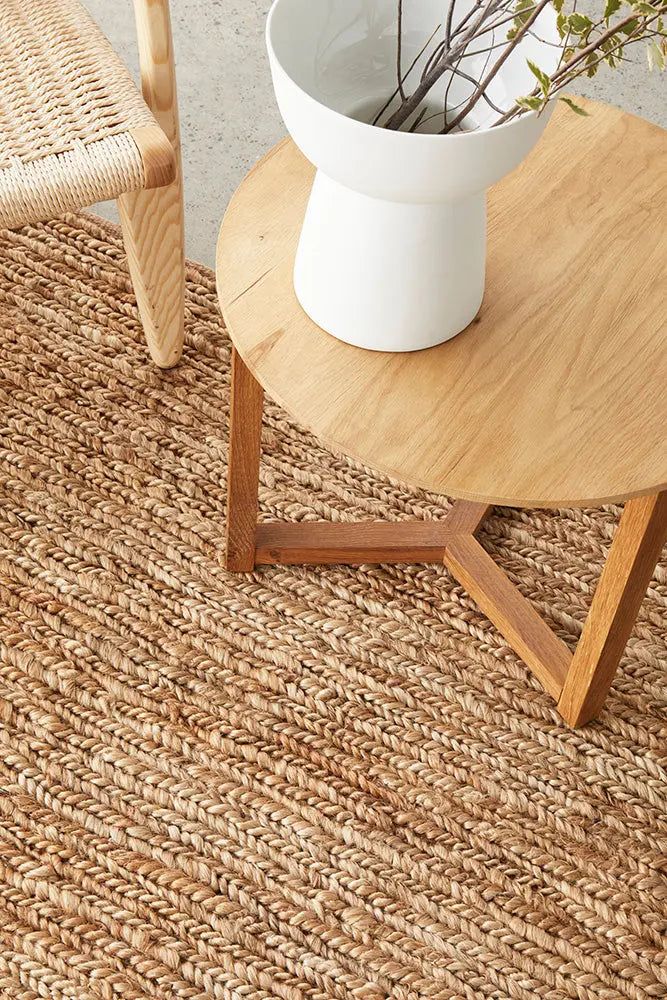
<point>245,436</point>
<point>632,559</point>
<point>515,617</point>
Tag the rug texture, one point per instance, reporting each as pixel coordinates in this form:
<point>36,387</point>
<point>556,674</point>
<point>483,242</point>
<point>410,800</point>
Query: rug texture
<point>302,784</point>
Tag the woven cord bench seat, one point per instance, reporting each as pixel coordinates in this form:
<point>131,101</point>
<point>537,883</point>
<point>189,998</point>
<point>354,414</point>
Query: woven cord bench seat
<point>74,129</point>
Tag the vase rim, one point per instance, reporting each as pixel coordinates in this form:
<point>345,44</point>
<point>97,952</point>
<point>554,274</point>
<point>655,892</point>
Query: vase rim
<point>365,126</point>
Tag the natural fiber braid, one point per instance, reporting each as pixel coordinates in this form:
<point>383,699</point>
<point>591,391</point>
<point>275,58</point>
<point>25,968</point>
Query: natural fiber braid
<point>301,783</point>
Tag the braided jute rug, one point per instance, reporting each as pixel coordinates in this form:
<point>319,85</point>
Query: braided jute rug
<point>303,784</point>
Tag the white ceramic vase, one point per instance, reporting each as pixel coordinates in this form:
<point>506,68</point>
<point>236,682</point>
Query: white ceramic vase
<point>392,255</point>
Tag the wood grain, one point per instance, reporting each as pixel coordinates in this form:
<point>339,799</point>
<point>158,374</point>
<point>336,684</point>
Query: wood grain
<point>321,543</point>
<point>515,617</point>
<point>157,155</point>
<point>245,443</point>
<point>555,395</point>
<point>465,518</point>
<point>153,220</point>
<point>634,554</point>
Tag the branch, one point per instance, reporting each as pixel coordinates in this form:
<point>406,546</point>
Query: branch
<point>582,54</point>
<point>448,24</point>
<point>471,79</point>
<point>481,89</point>
<point>399,55</point>
<point>412,104</point>
<point>405,76</point>
<point>599,42</point>
<point>570,71</point>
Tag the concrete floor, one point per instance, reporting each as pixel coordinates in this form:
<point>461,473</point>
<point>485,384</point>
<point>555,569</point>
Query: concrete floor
<point>228,113</point>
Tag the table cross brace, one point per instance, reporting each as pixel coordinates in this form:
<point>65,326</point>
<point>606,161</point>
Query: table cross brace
<point>578,681</point>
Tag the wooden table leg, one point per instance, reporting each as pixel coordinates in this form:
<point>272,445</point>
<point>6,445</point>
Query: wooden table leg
<point>632,560</point>
<point>245,442</point>
<point>633,557</point>
<point>514,616</point>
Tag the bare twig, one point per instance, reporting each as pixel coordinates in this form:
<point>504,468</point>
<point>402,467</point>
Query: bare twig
<point>396,93</point>
<point>448,24</point>
<point>484,83</point>
<point>437,54</point>
<point>476,6</point>
<point>408,107</point>
<point>399,52</point>
<point>457,71</point>
<point>418,120</point>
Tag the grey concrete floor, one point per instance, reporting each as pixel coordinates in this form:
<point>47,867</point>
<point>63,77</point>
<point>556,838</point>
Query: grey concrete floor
<point>228,114</point>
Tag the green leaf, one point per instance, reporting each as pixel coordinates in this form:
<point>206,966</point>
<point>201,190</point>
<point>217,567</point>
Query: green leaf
<point>532,103</point>
<point>579,23</point>
<point>557,5</point>
<point>542,77</point>
<point>523,10</point>
<point>645,8</point>
<point>611,8</point>
<point>575,107</point>
<point>655,56</point>
<point>592,63</point>
<point>612,49</point>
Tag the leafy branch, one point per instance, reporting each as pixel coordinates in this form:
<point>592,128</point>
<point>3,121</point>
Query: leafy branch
<point>496,28</point>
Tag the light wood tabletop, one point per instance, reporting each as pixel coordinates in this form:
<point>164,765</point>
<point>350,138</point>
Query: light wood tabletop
<point>557,393</point>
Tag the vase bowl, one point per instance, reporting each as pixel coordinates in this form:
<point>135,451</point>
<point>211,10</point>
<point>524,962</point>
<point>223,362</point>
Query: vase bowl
<point>392,255</point>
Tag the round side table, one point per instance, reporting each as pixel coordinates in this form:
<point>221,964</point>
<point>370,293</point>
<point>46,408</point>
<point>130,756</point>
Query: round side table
<point>555,396</point>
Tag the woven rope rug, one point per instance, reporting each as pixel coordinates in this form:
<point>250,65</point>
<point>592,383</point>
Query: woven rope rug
<point>301,784</point>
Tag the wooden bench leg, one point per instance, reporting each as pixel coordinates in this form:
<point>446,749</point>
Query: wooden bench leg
<point>152,223</point>
<point>632,559</point>
<point>152,220</point>
<point>245,440</point>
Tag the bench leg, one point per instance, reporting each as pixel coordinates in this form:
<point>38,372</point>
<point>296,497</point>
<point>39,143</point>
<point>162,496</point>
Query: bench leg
<point>152,220</point>
<point>152,223</point>
<point>629,569</point>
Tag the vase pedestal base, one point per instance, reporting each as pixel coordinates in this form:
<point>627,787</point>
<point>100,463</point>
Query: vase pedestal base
<point>388,275</point>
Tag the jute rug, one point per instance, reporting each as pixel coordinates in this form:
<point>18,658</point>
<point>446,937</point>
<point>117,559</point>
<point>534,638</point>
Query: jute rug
<point>302,784</point>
